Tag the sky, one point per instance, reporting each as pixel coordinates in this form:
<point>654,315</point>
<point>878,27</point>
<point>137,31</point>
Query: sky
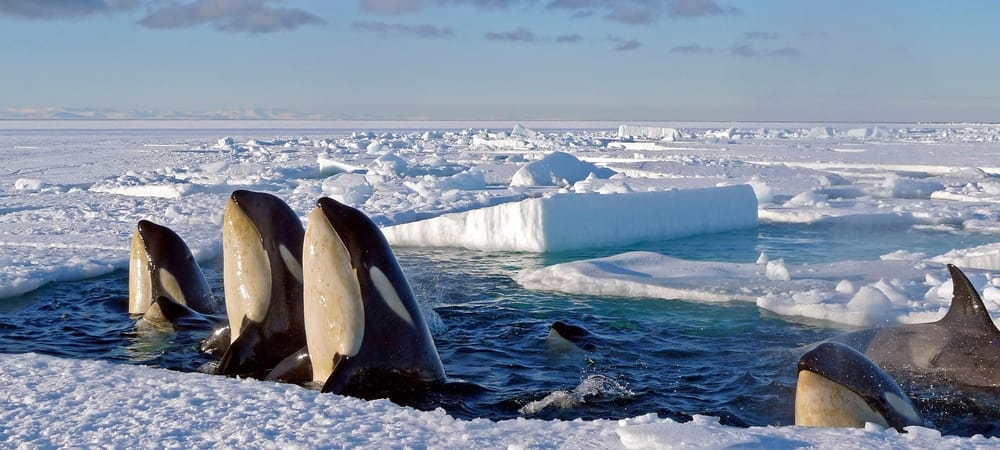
<point>627,60</point>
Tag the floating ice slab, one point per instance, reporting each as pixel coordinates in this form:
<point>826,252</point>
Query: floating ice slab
<point>571,221</point>
<point>899,288</point>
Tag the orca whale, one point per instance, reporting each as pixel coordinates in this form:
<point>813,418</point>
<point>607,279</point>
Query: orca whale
<point>565,337</point>
<point>365,333</point>
<point>262,265</point>
<point>167,288</point>
<point>962,348</point>
<point>839,387</point>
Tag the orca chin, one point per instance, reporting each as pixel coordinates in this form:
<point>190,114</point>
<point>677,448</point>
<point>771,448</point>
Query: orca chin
<point>963,348</point>
<point>839,387</point>
<point>365,333</point>
<point>166,313</point>
<point>167,288</point>
<point>262,265</point>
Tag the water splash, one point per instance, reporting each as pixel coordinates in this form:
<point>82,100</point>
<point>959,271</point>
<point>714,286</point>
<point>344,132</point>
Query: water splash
<point>593,389</point>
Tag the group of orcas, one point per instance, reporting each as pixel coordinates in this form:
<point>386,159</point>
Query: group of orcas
<point>328,305</point>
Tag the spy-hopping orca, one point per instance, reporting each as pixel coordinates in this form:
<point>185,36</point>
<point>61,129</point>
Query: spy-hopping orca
<point>365,333</point>
<point>167,288</point>
<point>262,264</point>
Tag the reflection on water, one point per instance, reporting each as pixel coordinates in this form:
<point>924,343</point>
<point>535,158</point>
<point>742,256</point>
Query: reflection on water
<point>672,358</point>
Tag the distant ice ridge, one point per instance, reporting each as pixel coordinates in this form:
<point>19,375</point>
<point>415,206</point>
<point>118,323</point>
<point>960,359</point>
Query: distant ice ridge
<point>660,133</point>
<point>520,137</point>
<point>874,133</point>
<point>571,221</point>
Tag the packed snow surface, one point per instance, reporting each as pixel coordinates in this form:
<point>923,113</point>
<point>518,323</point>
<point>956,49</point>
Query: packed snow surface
<point>51,402</point>
<point>71,193</point>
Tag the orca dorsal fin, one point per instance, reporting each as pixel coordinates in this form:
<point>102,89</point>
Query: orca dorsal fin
<point>967,308</point>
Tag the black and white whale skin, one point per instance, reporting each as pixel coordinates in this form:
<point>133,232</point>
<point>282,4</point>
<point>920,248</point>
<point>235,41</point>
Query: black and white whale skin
<point>963,348</point>
<point>262,265</point>
<point>564,337</point>
<point>365,333</point>
<point>167,288</point>
<point>839,387</point>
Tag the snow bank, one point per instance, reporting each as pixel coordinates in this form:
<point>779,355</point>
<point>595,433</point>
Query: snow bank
<point>26,276</point>
<point>571,221</point>
<point>50,402</point>
<point>896,289</point>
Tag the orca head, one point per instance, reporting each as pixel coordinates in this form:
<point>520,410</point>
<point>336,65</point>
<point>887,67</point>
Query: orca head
<point>262,258</point>
<point>840,387</point>
<point>246,267</point>
<point>565,337</point>
<point>332,301</point>
<point>161,265</point>
<point>375,266</point>
<point>371,321</point>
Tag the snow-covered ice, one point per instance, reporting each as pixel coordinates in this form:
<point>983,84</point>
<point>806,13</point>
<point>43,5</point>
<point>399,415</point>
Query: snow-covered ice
<point>572,221</point>
<point>860,293</point>
<point>70,196</point>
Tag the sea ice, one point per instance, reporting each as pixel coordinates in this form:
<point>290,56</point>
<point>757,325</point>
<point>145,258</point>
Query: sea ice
<point>571,221</point>
<point>70,197</point>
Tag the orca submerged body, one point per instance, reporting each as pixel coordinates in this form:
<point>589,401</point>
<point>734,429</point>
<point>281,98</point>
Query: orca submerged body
<point>962,348</point>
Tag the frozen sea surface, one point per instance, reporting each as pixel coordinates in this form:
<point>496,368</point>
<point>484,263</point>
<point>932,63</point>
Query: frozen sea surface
<point>880,209</point>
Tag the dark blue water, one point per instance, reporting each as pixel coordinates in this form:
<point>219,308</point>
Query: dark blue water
<point>672,358</point>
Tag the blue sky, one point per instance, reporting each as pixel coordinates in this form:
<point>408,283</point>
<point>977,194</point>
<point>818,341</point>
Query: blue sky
<point>658,60</point>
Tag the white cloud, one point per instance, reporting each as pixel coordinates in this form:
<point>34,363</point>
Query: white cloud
<point>249,16</point>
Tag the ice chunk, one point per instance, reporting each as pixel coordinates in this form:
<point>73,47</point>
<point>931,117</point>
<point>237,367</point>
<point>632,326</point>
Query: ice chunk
<point>557,169</point>
<point>821,133</point>
<point>903,187</point>
<point>350,188</point>
<point>776,271</point>
<point>521,130</point>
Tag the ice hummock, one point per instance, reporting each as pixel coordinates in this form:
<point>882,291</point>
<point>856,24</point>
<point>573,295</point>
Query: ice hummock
<point>557,169</point>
